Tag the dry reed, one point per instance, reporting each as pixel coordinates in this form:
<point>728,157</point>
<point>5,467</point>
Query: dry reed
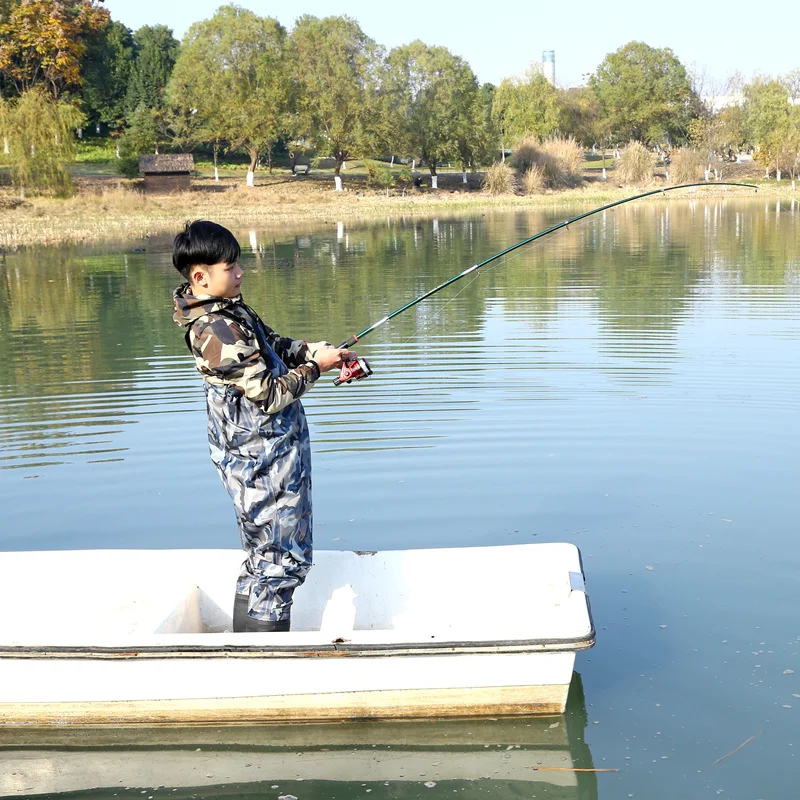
<point>686,166</point>
<point>533,181</point>
<point>560,161</point>
<point>499,179</point>
<point>635,164</point>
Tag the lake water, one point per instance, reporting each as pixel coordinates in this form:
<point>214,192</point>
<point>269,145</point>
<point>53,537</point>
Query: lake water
<point>629,385</point>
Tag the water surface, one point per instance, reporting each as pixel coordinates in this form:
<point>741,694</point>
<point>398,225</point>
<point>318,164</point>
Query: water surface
<point>630,385</point>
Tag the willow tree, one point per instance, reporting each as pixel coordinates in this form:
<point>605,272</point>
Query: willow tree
<point>337,73</point>
<point>41,141</point>
<point>231,74</point>
<point>438,104</point>
<point>526,106</point>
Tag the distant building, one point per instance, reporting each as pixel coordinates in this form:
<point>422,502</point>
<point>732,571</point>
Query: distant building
<point>549,66</point>
<point>167,173</point>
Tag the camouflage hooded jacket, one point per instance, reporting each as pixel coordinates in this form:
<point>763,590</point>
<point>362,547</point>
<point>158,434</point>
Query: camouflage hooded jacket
<point>233,347</point>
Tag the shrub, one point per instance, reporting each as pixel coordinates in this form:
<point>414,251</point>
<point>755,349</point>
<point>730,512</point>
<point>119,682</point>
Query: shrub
<point>533,181</point>
<point>526,155</point>
<point>635,163</point>
<point>499,178</point>
<point>686,166</point>
<point>559,160</point>
<point>565,161</point>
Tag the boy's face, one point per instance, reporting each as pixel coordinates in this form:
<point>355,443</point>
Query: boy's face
<point>217,280</point>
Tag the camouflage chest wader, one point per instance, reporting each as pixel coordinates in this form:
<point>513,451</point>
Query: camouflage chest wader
<point>264,461</point>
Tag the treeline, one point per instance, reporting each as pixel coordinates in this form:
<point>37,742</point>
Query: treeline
<point>239,82</point>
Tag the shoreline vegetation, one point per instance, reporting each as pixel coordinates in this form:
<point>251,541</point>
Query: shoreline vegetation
<point>108,208</point>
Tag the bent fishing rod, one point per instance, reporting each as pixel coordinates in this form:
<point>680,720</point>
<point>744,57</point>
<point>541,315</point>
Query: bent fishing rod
<point>359,368</point>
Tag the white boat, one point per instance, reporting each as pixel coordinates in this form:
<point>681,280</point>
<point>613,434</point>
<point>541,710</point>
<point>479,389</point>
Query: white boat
<point>134,636</point>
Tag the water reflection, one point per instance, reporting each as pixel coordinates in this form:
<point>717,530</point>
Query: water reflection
<point>506,758</point>
<point>89,347</point>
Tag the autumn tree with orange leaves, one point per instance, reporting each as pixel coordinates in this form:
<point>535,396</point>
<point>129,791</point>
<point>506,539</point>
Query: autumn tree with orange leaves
<point>42,42</point>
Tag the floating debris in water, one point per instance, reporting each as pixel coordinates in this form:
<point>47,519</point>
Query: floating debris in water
<point>429,784</point>
<point>649,568</point>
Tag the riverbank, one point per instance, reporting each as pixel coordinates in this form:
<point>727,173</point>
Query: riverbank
<point>118,209</point>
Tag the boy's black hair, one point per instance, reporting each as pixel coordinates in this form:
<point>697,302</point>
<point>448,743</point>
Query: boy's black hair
<point>204,243</point>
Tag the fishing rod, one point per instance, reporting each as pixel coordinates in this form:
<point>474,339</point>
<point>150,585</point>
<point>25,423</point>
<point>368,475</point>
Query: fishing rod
<point>359,368</point>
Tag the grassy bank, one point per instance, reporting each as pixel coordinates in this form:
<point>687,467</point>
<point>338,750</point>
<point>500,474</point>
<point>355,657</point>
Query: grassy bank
<point>107,208</point>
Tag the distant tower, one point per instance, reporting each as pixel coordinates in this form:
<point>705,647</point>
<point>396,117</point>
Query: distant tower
<point>549,66</point>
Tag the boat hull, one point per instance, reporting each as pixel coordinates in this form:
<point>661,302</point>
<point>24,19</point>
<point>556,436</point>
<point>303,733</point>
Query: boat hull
<point>365,647</point>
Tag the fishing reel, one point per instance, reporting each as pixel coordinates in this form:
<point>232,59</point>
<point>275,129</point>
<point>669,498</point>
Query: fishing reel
<point>355,370</point>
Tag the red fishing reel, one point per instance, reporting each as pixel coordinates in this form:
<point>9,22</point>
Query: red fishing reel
<point>354,370</point>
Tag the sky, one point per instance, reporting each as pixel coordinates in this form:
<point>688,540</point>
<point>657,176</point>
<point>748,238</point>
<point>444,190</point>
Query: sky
<point>713,40</point>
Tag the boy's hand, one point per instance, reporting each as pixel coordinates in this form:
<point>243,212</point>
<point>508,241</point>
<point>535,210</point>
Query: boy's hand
<point>329,358</point>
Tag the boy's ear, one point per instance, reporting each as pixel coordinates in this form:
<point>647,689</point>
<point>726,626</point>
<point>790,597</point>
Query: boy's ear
<point>199,276</point>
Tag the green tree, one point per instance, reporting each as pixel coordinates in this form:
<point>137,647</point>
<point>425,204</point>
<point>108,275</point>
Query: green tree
<point>438,104</point>
<point>526,106</point>
<point>232,70</point>
<point>43,42</point>
<point>581,116</point>
<point>768,121</point>
<point>40,134</point>
<point>155,51</point>
<point>337,72</point>
<point>106,73</point>
<point>140,137</point>
<point>646,94</point>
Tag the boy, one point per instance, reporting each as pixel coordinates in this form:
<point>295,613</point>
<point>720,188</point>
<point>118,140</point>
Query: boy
<point>256,425</point>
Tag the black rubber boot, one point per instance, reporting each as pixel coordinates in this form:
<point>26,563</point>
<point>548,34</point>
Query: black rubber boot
<point>244,623</point>
<point>266,625</point>
<point>240,604</point>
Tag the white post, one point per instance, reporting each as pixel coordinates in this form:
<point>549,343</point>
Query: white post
<point>464,177</point>
<point>605,175</point>
<point>391,163</point>
<point>251,178</point>
<point>6,147</point>
<point>22,193</point>
<point>216,174</point>
<point>666,172</point>
<point>413,164</point>
<point>716,174</point>
<point>434,181</point>
<point>344,165</point>
<point>778,175</point>
<point>80,133</point>
<point>338,181</point>
<point>116,150</point>
<point>706,173</point>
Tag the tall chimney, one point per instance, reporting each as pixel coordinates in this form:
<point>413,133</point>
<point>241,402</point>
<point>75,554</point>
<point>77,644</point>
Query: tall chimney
<point>549,66</point>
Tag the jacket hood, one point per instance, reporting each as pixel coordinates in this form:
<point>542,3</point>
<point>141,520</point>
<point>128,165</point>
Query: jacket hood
<point>188,308</point>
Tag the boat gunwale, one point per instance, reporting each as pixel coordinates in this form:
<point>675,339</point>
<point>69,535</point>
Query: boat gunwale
<point>334,650</point>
